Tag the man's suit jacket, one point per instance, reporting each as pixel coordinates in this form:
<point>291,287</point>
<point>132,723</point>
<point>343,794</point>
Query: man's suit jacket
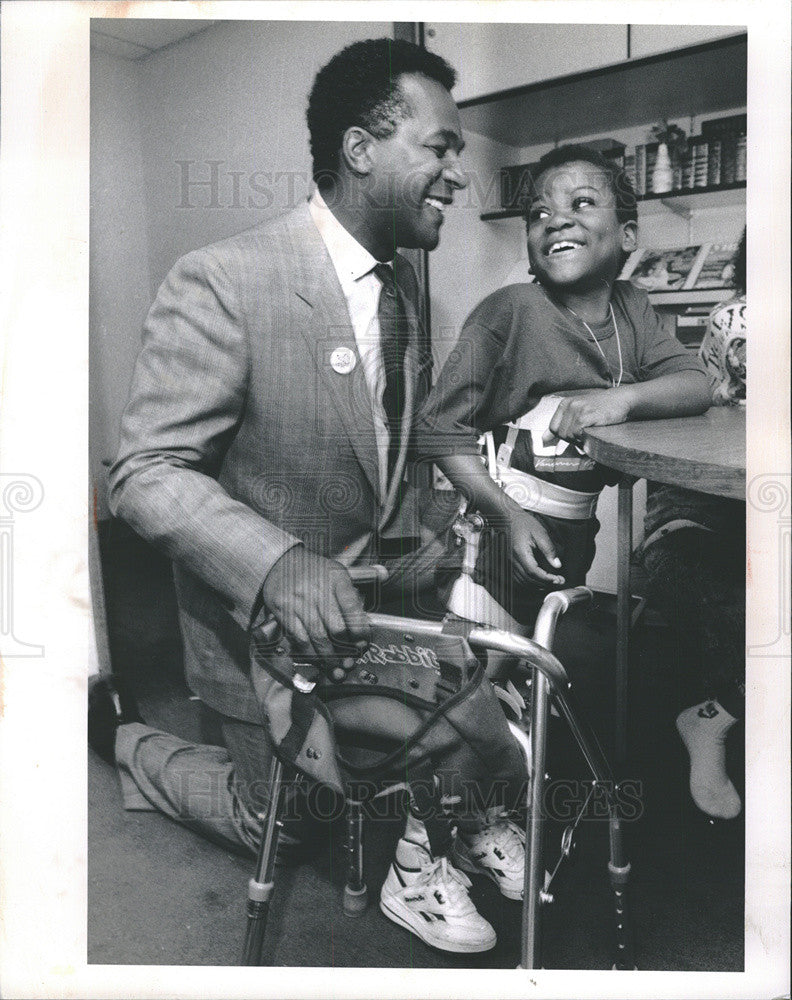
<point>241,439</point>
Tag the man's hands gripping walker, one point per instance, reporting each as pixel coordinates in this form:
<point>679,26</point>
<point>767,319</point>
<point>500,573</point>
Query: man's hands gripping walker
<point>318,607</point>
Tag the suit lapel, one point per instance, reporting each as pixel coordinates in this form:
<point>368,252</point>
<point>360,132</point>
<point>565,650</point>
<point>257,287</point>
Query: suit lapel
<point>330,338</point>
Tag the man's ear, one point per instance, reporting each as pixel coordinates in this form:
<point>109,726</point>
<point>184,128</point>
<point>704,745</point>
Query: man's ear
<point>356,150</point>
<point>629,235</point>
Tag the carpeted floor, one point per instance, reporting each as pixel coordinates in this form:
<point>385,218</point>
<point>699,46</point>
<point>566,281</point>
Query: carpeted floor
<point>159,894</point>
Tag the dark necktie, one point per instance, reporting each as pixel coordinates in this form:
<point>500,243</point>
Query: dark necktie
<point>394,334</point>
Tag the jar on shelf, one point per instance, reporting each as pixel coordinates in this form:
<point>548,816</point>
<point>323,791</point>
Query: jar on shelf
<point>671,143</point>
<point>663,173</point>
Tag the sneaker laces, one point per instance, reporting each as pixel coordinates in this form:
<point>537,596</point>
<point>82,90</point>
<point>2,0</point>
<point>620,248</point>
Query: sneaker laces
<point>503,833</point>
<point>443,875</point>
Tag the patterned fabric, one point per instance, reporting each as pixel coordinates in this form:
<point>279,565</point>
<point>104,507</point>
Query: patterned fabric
<point>723,351</point>
<point>394,333</point>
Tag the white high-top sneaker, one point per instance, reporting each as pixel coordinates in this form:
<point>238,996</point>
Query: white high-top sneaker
<point>497,850</point>
<point>430,897</point>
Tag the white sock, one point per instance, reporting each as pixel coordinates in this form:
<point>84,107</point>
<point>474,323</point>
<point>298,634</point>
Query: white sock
<point>703,730</point>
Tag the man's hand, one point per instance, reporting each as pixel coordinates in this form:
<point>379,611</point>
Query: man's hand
<point>317,606</point>
<point>589,409</point>
<point>531,545</point>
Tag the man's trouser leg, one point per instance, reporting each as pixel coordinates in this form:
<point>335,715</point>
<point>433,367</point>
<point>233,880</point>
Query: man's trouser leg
<point>220,791</point>
<point>216,791</point>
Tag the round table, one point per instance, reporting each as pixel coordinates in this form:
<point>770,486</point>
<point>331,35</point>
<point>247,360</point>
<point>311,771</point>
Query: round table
<point>704,453</point>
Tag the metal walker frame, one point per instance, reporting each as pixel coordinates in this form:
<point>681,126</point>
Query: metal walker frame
<point>549,684</point>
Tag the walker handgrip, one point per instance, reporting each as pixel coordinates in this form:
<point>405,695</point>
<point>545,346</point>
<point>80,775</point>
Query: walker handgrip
<point>579,594</point>
<point>270,629</point>
<point>376,573</point>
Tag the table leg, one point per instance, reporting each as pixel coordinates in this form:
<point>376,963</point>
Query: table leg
<point>623,588</point>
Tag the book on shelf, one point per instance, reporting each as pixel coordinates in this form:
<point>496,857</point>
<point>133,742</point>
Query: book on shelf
<point>728,158</point>
<point>640,170</point>
<point>741,158</point>
<point>629,169</point>
<point>702,266</point>
<point>731,132</point>
<point>700,155</point>
<point>651,160</point>
<point>686,172</point>
<point>714,163</point>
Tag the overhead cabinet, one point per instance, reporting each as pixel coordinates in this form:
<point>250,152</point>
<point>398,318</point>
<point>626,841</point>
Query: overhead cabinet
<point>649,39</point>
<point>494,57</point>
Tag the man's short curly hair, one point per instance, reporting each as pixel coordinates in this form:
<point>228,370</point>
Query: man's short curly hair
<point>360,86</point>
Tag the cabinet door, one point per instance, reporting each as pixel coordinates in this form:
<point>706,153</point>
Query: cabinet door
<point>493,57</point>
<point>647,39</point>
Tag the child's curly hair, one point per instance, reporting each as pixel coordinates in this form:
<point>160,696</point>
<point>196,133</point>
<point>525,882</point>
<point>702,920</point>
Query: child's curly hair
<point>621,185</point>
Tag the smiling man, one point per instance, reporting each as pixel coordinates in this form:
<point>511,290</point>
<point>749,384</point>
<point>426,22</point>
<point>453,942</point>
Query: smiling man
<point>265,448</point>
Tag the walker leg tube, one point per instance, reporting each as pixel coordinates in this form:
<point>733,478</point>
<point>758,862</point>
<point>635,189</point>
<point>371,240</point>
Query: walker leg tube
<point>566,703</point>
<point>623,596</point>
<point>533,887</point>
<point>619,872</point>
<point>260,887</point>
<point>355,891</point>
<point>618,866</point>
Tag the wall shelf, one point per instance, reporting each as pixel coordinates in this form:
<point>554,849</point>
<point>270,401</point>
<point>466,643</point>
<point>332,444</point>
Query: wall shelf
<point>723,195</point>
<point>720,196</point>
<point>690,81</point>
<point>692,297</point>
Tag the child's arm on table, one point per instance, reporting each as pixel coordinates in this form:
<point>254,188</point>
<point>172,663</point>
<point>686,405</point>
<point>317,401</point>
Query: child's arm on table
<point>529,539</point>
<point>678,394</point>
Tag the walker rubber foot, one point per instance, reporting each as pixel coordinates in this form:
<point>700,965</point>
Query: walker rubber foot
<point>355,901</point>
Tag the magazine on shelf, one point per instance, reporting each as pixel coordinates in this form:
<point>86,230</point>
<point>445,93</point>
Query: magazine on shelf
<point>662,270</point>
<point>717,269</point>
<point>702,266</point>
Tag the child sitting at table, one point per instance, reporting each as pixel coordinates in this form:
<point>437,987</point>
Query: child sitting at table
<point>539,362</point>
<point>694,557</point>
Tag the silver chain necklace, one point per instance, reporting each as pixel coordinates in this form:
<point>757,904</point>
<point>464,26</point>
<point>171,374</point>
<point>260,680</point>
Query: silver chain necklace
<point>617,383</point>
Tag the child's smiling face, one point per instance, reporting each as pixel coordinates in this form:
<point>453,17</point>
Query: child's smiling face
<point>575,240</point>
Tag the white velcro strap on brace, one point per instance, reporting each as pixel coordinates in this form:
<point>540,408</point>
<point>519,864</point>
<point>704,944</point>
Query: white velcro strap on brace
<point>532,493</point>
<point>506,449</point>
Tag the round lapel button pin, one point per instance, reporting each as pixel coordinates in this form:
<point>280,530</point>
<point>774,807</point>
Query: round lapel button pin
<point>343,360</point>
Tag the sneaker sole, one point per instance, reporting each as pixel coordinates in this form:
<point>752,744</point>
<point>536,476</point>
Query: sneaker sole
<point>405,919</point>
<point>470,866</point>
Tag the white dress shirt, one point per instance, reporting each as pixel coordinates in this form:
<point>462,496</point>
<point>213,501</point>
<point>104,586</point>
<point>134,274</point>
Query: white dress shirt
<point>361,288</point>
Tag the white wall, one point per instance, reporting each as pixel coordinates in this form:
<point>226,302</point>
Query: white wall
<point>119,274</point>
<point>235,93</point>
<point>473,257</point>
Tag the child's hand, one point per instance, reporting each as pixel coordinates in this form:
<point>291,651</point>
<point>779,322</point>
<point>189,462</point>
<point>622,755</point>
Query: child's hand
<point>531,545</point>
<point>590,409</point>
